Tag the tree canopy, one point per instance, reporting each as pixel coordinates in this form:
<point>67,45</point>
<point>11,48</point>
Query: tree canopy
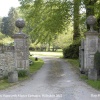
<point>46,19</point>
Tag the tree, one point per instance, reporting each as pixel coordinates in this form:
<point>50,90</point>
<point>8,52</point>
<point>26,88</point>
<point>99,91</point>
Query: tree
<point>8,23</point>
<point>47,19</point>
<point>89,4</point>
<point>4,25</point>
<point>90,8</point>
<point>76,19</point>
<point>12,16</point>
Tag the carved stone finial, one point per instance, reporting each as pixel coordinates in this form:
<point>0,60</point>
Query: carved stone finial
<point>91,20</point>
<point>20,23</point>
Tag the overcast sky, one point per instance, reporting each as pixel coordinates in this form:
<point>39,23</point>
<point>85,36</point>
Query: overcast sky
<point>5,5</point>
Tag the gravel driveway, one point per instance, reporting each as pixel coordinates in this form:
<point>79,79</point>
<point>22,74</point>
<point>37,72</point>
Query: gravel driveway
<point>56,80</point>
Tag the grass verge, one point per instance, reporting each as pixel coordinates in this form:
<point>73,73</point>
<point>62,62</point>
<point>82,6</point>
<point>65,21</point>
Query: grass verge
<point>92,83</point>
<point>36,65</point>
<point>74,62</point>
<point>4,84</point>
<point>33,68</point>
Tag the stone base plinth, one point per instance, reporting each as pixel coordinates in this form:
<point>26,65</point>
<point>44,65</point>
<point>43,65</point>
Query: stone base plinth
<point>92,74</point>
<point>13,77</point>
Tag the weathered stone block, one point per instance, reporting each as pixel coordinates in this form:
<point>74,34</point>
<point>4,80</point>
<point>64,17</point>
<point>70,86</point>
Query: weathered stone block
<point>92,74</point>
<point>13,77</point>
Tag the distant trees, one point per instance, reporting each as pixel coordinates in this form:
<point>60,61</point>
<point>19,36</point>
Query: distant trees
<point>12,16</point>
<point>4,25</point>
<point>8,23</point>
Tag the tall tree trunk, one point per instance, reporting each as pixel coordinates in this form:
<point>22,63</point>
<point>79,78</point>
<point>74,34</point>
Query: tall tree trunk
<point>76,19</point>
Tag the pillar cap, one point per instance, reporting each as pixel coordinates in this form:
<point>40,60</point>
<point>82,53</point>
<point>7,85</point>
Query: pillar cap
<point>22,35</point>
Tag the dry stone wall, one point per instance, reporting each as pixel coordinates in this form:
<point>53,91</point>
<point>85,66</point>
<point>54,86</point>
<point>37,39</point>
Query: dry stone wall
<point>7,62</point>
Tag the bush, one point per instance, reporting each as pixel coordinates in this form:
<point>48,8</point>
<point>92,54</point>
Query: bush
<point>97,61</point>
<point>72,51</point>
<point>22,73</point>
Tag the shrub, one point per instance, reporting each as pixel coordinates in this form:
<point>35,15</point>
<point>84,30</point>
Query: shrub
<point>22,73</point>
<point>72,51</point>
<point>97,61</point>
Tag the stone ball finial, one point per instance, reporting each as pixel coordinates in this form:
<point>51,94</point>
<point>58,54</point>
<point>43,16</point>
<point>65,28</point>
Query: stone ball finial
<point>20,23</point>
<point>91,20</point>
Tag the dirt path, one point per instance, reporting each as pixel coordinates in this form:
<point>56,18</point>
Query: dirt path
<point>54,81</point>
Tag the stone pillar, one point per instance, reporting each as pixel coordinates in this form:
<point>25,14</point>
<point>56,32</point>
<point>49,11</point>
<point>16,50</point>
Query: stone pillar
<point>91,45</point>
<point>21,47</point>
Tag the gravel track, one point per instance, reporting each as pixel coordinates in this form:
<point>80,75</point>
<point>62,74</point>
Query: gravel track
<point>56,80</point>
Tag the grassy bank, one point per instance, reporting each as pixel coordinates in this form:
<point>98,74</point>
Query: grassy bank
<point>74,62</point>
<point>33,68</point>
<point>4,84</point>
<point>94,84</point>
<point>36,65</point>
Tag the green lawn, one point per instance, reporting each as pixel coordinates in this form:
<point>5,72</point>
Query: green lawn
<point>52,54</point>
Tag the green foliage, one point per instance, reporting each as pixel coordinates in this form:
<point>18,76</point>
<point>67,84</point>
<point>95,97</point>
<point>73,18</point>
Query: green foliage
<point>2,36</point>
<point>5,40</point>
<point>65,39</point>
<point>72,51</point>
<point>22,73</point>
<point>45,19</point>
<point>37,46</point>
<point>97,60</point>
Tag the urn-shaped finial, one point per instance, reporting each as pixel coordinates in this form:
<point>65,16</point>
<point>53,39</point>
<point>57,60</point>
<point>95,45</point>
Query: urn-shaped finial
<point>20,23</point>
<point>91,20</point>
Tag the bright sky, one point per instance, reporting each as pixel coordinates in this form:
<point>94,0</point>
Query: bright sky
<point>5,5</point>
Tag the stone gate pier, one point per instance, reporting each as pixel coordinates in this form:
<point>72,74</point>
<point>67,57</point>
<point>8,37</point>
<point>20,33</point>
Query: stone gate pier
<point>13,58</point>
<point>21,47</point>
<point>89,46</point>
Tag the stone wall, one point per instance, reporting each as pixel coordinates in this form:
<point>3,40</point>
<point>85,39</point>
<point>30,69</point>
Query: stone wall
<point>12,58</point>
<point>7,60</point>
